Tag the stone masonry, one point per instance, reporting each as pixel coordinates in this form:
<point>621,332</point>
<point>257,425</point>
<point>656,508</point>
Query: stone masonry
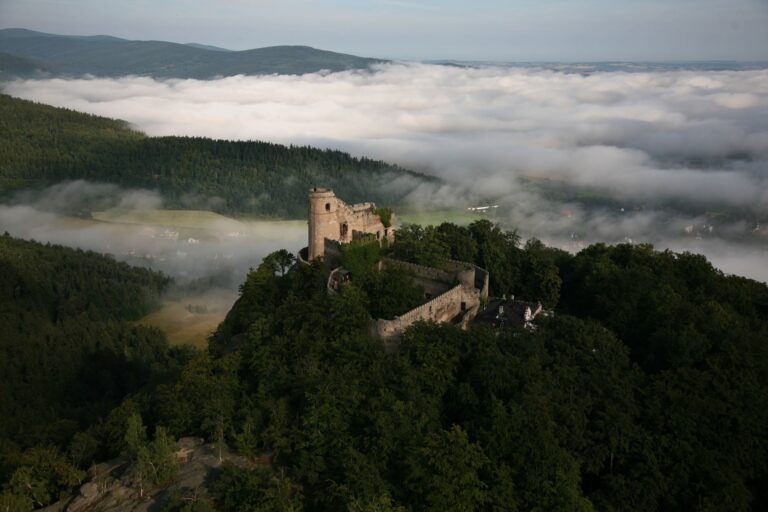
<point>454,292</point>
<point>330,218</point>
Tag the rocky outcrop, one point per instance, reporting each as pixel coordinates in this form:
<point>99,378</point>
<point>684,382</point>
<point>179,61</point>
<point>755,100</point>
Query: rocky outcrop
<point>109,487</point>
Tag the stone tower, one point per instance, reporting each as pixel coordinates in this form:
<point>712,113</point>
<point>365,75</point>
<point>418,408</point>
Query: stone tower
<point>333,220</point>
<point>323,220</point>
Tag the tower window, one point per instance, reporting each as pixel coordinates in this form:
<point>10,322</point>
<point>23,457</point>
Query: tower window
<point>327,207</point>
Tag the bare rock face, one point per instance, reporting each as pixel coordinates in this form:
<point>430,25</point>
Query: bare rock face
<point>189,443</point>
<point>89,490</point>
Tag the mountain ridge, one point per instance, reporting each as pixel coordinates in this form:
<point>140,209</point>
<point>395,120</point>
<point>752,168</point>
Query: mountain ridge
<point>109,56</point>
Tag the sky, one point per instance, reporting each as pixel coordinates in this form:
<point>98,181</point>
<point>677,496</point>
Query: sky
<point>500,30</point>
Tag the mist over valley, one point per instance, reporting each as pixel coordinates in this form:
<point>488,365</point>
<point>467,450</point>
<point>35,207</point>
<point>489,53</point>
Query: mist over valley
<point>672,155</point>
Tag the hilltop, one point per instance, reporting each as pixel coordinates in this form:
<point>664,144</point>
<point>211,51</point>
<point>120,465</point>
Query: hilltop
<point>42,145</point>
<point>108,56</point>
<point>646,390</point>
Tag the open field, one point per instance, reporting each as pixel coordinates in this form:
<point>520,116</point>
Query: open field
<point>198,219</point>
<point>191,319</point>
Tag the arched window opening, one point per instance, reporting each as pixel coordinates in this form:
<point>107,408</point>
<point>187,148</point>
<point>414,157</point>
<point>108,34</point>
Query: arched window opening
<point>327,207</point>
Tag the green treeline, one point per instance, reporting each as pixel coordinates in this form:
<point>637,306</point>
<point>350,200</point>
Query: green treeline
<point>68,352</point>
<point>41,145</point>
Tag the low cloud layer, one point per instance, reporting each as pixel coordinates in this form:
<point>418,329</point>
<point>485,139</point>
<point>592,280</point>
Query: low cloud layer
<point>697,140</point>
<point>698,136</point>
<point>219,250</point>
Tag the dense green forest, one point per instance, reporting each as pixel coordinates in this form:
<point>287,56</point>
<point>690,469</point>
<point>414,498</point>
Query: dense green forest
<point>68,350</point>
<point>41,145</point>
<point>12,67</point>
<point>647,389</point>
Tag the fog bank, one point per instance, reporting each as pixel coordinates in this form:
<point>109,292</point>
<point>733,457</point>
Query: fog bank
<point>217,250</point>
<point>678,158</point>
<point>698,136</point>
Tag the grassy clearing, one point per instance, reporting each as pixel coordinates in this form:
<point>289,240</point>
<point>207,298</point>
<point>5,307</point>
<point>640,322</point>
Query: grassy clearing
<point>190,320</point>
<point>199,219</point>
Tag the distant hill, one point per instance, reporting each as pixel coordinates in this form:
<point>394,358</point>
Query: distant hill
<point>12,66</point>
<point>207,47</point>
<point>111,56</point>
<point>41,145</point>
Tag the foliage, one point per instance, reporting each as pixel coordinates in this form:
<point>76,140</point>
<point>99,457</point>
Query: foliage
<point>530,273</point>
<point>42,474</point>
<point>567,417</point>
<point>647,390</point>
<point>390,292</point>
<point>42,145</point>
<point>153,461</point>
<point>10,502</point>
<point>194,501</point>
<point>68,353</point>
<point>280,260</point>
<point>254,490</point>
<point>444,473</point>
<point>385,214</point>
<point>420,245</point>
<point>360,257</point>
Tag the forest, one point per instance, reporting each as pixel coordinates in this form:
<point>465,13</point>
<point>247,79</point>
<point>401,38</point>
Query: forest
<point>646,389</point>
<point>69,352</point>
<point>42,145</point>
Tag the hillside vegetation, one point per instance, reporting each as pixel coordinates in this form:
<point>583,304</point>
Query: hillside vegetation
<point>68,352</point>
<point>111,56</point>
<point>12,66</point>
<point>646,390</point>
<point>42,145</point>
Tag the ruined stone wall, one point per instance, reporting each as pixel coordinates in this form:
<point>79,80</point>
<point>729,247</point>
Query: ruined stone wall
<point>482,281</point>
<point>330,218</point>
<point>332,253</point>
<point>459,286</point>
<point>470,287</point>
<point>432,273</point>
<point>440,309</point>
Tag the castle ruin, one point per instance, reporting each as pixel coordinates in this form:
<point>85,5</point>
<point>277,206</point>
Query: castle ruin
<point>453,293</point>
<point>331,219</point>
